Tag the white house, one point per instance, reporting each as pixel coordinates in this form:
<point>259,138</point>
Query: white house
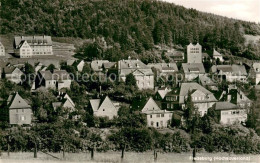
<point>201,97</point>
<point>164,68</point>
<point>104,108</point>
<point>194,53</point>
<point>192,70</point>
<point>231,73</point>
<point>155,116</point>
<point>65,102</point>
<point>40,45</point>
<point>230,113</point>
<point>217,55</point>
<point>13,74</point>
<point>23,50</point>
<point>143,74</point>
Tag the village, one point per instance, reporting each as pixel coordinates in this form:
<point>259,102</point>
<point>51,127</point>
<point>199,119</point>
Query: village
<point>160,92</point>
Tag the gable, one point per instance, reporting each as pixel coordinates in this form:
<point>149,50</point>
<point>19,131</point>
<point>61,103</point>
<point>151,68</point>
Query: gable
<point>198,93</point>
<point>107,105</point>
<point>150,106</point>
<point>18,102</point>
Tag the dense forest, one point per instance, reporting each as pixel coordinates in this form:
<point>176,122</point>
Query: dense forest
<point>130,26</point>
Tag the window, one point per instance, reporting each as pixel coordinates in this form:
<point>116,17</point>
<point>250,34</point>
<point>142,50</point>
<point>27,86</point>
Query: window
<point>16,110</point>
<point>22,110</point>
<point>162,115</point>
<point>151,116</point>
<point>151,123</point>
<point>168,106</point>
<point>157,115</point>
<point>103,109</point>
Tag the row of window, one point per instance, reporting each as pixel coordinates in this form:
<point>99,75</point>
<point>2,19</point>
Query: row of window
<point>194,51</point>
<point>172,98</point>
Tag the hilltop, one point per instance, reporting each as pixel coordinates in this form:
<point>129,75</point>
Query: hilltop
<point>132,26</point>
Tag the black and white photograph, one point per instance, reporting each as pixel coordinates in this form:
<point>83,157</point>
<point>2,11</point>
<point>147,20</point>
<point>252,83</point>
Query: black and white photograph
<point>130,81</point>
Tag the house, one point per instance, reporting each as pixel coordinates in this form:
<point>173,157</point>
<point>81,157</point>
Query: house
<point>143,74</point>
<point>201,97</point>
<point>230,73</point>
<point>176,55</point>
<point>104,107</point>
<point>230,113</point>
<point>155,116</point>
<point>194,53</point>
<point>171,100</point>
<point>2,50</point>
<point>40,45</point>
<point>79,65</point>
<point>57,80</point>
<point>192,70</point>
<point>236,96</point>
<point>207,82</point>
<point>64,101</point>
<point>23,49</point>
<point>217,55</point>
<point>13,74</point>
<point>97,65</point>
<point>164,68</point>
<point>161,92</point>
<point>255,73</point>
<point>20,112</point>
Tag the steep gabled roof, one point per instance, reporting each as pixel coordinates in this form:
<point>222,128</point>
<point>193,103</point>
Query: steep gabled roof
<point>216,53</point>
<point>151,105</point>
<point>189,67</point>
<point>16,102</point>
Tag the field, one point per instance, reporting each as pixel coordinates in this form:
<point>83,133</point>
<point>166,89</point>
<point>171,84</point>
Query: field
<point>129,157</point>
<point>251,38</point>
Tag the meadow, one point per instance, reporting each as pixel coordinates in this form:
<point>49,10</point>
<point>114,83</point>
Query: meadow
<point>26,157</point>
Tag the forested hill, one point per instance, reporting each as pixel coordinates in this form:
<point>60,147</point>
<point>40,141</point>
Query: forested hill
<point>135,25</point>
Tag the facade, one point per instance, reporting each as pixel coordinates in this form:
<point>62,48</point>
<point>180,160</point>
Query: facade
<point>57,80</point>
<point>217,55</point>
<point>236,96</point>
<point>171,100</point>
<point>97,65</point>
<point>193,70</point>
<point>231,73</point>
<point>175,55</point>
<point>104,108</point>
<point>194,53</point>
<point>143,74</point>
<point>155,116</point>
<point>230,113</point>
<point>201,97</point>
<point>23,50</point>
<point>164,68</point>
<point>2,50</point>
<point>79,65</point>
<point>20,111</point>
<point>13,74</point>
<point>65,102</point>
<point>40,45</point>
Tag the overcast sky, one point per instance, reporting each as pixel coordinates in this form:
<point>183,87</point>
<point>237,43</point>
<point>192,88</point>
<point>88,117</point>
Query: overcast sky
<point>241,9</point>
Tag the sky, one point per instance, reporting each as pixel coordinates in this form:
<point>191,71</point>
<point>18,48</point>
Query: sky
<point>248,10</point>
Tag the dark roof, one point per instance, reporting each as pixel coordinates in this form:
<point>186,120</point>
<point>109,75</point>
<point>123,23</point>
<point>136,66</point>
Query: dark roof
<point>32,40</point>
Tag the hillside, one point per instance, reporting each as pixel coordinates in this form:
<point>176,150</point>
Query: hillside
<point>135,25</point>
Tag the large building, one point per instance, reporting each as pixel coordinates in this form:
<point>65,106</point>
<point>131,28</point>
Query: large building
<point>143,74</point>
<point>28,46</point>
<point>2,50</point>
<point>194,53</point>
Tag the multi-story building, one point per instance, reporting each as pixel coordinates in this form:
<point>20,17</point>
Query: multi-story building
<point>143,74</point>
<point>192,70</point>
<point>23,50</point>
<point>201,97</point>
<point>2,50</point>
<point>20,111</point>
<point>155,116</point>
<point>39,45</point>
<point>230,113</point>
<point>194,53</point>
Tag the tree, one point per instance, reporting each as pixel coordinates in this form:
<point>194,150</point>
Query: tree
<point>51,67</point>
<point>92,142</point>
<point>130,80</point>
